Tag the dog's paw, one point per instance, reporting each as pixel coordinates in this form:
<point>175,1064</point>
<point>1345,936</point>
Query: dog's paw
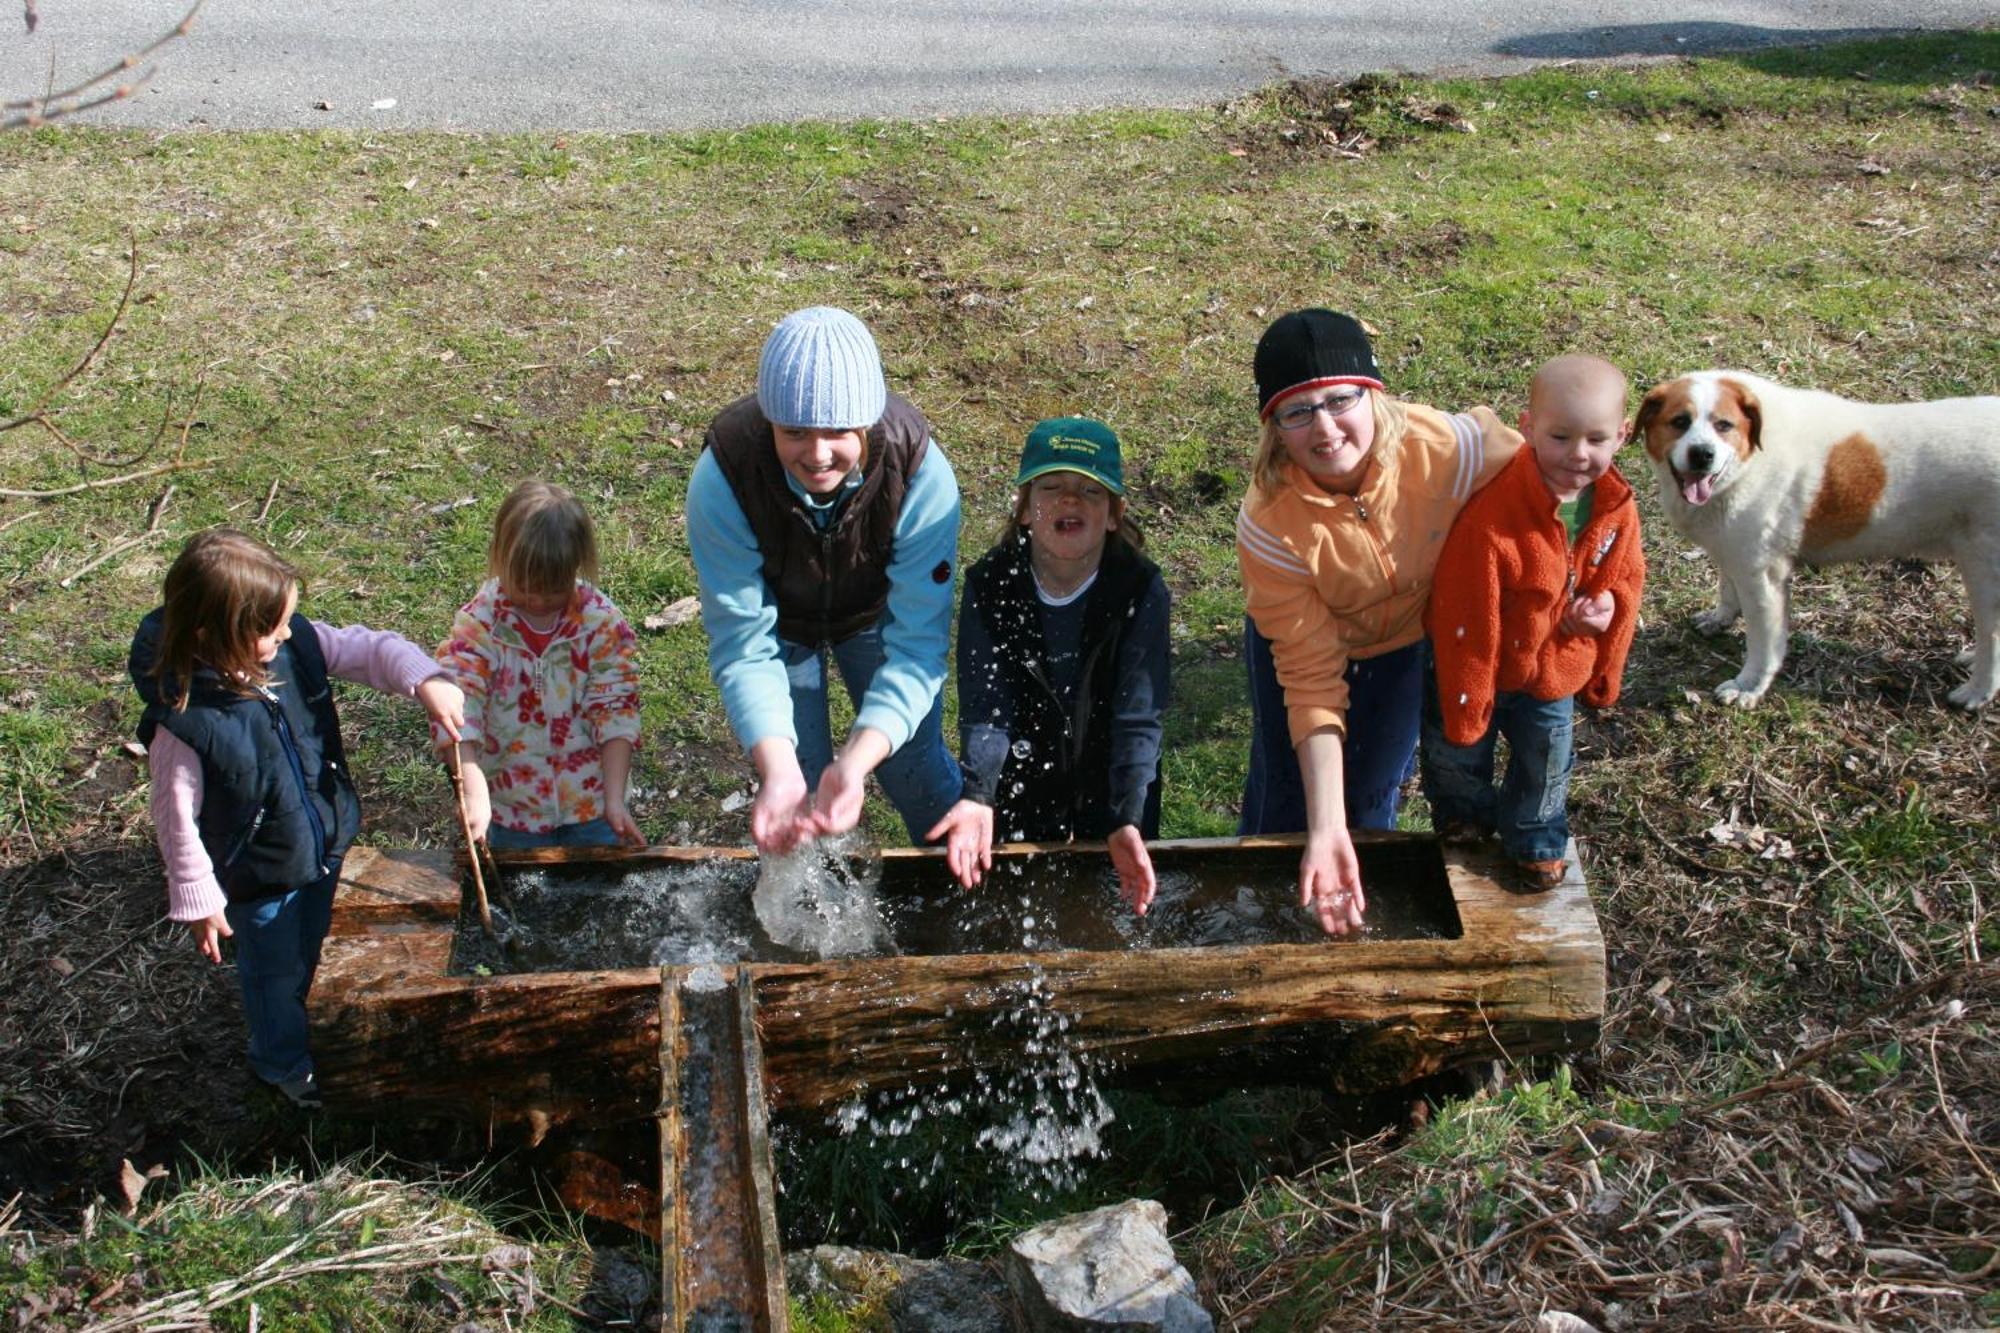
<point>1970,697</point>
<point>1739,693</point>
<point>1714,621</point>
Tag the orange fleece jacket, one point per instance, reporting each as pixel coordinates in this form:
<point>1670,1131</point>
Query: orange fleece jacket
<point>1505,579</point>
<point>1329,578</point>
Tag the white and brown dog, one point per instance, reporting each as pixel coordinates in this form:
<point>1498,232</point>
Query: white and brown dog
<point>1764,477</point>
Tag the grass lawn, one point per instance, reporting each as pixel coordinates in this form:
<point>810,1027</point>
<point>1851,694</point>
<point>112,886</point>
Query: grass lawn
<point>364,341</point>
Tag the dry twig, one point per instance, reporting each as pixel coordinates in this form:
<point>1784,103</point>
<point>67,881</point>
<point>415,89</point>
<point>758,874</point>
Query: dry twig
<point>34,112</point>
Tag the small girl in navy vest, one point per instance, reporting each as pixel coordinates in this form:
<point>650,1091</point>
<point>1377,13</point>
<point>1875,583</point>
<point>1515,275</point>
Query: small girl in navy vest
<point>1062,668</point>
<point>252,802</point>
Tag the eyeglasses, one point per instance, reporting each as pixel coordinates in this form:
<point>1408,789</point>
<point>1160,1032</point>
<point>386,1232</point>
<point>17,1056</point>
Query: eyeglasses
<point>1336,404</point>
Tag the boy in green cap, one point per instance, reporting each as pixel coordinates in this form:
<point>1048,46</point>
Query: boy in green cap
<point>1062,668</point>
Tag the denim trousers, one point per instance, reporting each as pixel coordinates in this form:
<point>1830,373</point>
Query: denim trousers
<point>1529,810</point>
<point>921,779</point>
<point>590,833</point>
<point>277,943</point>
<point>1377,752</point>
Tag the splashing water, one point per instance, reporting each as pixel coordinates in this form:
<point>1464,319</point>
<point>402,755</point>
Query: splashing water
<point>1033,1104</point>
<point>820,899</point>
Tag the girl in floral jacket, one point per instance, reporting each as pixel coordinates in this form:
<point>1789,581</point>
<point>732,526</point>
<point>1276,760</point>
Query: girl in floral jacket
<point>551,690</point>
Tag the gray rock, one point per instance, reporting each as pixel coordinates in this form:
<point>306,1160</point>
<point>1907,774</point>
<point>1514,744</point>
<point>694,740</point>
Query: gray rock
<point>1111,1270</point>
<point>847,1277</point>
<point>952,1296</point>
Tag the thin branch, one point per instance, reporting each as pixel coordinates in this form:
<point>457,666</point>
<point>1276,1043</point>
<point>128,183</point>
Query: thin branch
<point>34,411</point>
<point>103,482</point>
<point>33,112</point>
<point>269,496</point>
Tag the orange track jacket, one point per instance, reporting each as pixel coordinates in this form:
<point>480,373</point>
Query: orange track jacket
<point>1329,578</point>
<point>1505,579</point>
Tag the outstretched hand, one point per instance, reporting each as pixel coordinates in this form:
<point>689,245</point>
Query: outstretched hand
<point>967,832</point>
<point>445,702</point>
<point>1330,882</point>
<point>1136,882</point>
<point>781,818</point>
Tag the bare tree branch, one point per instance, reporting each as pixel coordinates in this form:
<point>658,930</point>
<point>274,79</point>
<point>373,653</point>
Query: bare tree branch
<point>35,409</point>
<point>33,112</point>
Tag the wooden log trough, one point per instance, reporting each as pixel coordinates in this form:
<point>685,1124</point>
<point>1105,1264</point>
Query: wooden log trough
<point>1226,973</point>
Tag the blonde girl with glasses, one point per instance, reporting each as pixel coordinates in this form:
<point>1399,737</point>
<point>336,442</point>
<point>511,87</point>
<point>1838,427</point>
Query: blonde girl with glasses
<point>1352,494</point>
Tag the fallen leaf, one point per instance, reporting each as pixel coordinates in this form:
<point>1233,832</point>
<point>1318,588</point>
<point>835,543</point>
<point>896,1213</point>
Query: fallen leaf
<point>674,613</point>
<point>1870,167</point>
<point>136,750</point>
<point>61,966</point>
<point>449,505</point>
<point>735,801</point>
<point>132,1184</point>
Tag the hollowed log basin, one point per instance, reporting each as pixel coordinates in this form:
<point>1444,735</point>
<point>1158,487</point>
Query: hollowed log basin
<point>414,1013</point>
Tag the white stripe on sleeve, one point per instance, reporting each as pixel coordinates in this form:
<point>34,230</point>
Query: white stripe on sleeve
<point>1266,546</point>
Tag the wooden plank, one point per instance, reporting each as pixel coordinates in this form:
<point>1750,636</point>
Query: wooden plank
<point>1526,977</point>
<point>718,1224</point>
<point>760,1179</point>
<point>379,886</point>
<point>673,1309</point>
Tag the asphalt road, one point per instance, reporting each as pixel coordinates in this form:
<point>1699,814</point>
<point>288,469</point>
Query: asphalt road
<point>689,64</point>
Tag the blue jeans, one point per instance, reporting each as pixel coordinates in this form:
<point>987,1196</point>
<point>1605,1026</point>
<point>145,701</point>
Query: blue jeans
<point>1530,809</point>
<point>921,779</point>
<point>277,951</point>
<point>1377,752</point>
<point>590,833</point>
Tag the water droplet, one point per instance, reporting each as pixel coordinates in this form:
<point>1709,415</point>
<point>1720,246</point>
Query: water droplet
<point>1022,749</point>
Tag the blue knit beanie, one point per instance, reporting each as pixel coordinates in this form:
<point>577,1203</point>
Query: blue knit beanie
<point>820,369</point>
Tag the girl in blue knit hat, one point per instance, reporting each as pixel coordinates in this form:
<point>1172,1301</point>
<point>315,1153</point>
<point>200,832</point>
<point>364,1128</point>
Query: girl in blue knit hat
<point>823,521</point>
<point>1062,668</point>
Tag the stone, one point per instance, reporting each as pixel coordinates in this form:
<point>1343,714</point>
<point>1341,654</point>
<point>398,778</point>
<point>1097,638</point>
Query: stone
<point>951,1296</point>
<point>1111,1270</point>
<point>845,1276</point>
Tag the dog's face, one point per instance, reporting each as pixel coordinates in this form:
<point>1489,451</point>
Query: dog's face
<point>1699,429</point>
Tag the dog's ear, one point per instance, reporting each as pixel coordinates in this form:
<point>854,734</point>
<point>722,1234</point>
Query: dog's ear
<point>1753,413</point>
<point>1654,403</point>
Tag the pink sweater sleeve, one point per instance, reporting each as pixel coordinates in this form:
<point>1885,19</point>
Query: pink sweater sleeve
<point>192,891</point>
<point>379,658</point>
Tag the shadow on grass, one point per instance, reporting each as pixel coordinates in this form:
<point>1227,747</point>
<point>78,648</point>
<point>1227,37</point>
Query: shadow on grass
<point>1894,55</point>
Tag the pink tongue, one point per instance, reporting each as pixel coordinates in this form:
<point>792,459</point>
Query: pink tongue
<point>1696,490</point>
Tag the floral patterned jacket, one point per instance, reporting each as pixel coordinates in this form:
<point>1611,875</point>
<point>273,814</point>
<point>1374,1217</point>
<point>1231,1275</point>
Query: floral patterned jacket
<point>538,722</point>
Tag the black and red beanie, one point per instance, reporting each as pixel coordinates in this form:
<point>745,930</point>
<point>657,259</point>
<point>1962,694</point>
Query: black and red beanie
<point>1308,348</point>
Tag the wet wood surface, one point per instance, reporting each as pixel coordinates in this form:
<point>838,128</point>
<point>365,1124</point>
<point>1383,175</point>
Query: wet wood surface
<point>520,1053</point>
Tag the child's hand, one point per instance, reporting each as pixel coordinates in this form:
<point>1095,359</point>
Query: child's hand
<point>1136,883</point>
<point>445,702</point>
<point>967,831</point>
<point>622,823</point>
<point>1589,615</point>
<point>478,801</point>
<point>208,936</point>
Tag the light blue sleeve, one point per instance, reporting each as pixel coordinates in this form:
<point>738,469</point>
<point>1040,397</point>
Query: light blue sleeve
<point>737,610</point>
<point>916,628</point>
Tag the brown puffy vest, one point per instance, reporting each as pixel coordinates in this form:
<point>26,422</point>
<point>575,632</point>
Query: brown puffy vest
<point>829,584</point>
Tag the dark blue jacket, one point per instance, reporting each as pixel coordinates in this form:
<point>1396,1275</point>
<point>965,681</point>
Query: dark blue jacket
<point>1088,769</point>
<point>277,808</point>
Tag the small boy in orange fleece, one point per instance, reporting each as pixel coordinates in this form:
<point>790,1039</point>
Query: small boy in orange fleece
<point>1534,603</point>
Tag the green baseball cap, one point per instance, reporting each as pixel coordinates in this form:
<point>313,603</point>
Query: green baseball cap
<point>1073,444</point>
